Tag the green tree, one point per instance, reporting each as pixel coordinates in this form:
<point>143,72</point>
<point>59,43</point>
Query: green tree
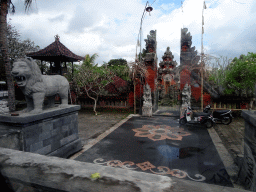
<point>68,75</point>
<point>93,79</point>
<point>117,62</point>
<point>90,60</point>
<point>119,67</point>
<point>17,48</point>
<point>241,76</point>
<point>5,6</point>
<point>238,77</point>
<point>217,76</point>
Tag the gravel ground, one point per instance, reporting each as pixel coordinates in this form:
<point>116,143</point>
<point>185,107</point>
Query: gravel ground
<point>91,126</point>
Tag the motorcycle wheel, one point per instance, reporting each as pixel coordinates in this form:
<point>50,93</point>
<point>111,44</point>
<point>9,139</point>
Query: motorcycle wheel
<point>226,121</point>
<point>182,121</point>
<point>208,123</point>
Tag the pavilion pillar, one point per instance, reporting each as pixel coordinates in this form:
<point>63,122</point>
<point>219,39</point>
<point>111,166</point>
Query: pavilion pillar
<point>60,68</point>
<point>42,67</point>
<point>50,67</point>
<point>72,70</point>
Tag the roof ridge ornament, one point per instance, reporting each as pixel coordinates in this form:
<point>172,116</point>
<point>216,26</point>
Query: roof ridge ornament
<point>57,37</point>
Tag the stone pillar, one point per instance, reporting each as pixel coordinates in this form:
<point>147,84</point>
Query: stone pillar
<point>247,173</point>
<point>53,132</point>
<point>147,103</point>
<point>186,99</point>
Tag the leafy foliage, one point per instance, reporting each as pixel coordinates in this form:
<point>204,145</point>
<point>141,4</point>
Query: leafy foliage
<point>5,6</point>
<point>92,80</point>
<point>90,60</point>
<point>16,48</point>
<point>68,75</point>
<point>236,77</point>
<point>117,62</point>
<point>241,75</point>
<point>119,67</point>
<point>217,76</point>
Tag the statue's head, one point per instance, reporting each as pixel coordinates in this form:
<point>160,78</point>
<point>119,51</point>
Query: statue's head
<point>26,70</point>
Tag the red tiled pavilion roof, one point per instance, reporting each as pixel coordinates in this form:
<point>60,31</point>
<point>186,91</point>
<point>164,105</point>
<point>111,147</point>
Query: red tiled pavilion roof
<point>117,86</point>
<point>55,52</point>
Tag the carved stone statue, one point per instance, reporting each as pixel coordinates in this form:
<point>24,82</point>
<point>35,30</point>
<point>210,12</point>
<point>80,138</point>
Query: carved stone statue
<point>186,95</point>
<point>36,86</point>
<point>151,42</point>
<point>147,101</point>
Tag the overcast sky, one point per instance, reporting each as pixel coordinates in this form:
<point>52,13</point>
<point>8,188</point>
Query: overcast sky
<point>110,28</point>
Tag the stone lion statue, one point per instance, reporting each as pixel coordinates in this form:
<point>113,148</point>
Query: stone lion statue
<point>36,86</point>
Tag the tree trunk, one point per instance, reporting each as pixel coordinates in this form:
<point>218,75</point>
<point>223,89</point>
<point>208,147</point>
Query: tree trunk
<point>95,101</point>
<point>5,55</point>
<point>94,107</point>
<point>134,98</point>
<point>251,104</point>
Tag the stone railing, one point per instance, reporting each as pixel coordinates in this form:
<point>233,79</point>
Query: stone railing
<point>33,172</point>
<point>247,173</point>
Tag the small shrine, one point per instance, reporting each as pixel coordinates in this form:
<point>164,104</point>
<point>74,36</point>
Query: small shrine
<point>168,79</point>
<point>57,54</point>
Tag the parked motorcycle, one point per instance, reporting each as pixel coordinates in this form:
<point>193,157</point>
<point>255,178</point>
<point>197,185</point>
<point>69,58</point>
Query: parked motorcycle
<point>223,116</point>
<point>191,117</point>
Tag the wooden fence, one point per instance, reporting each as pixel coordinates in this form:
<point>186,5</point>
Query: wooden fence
<point>234,106</point>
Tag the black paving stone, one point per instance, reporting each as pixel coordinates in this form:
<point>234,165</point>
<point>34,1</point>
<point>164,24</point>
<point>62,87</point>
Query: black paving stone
<point>194,154</point>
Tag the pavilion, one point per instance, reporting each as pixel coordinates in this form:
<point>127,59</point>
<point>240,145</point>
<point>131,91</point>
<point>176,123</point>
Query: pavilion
<point>57,54</point>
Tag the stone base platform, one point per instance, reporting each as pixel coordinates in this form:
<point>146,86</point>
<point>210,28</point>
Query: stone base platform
<point>53,132</point>
<point>147,111</point>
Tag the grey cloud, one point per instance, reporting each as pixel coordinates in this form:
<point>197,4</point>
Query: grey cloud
<point>82,19</point>
<point>100,30</point>
<point>57,18</point>
<point>241,42</point>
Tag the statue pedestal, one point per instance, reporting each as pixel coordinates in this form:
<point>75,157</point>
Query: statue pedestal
<point>247,172</point>
<point>147,111</point>
<point>53,132</point>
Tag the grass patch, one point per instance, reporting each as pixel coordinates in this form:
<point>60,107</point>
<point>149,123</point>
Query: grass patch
<point>108,110</point>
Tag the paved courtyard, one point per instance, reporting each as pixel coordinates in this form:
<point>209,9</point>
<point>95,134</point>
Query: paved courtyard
<point>158,145</point>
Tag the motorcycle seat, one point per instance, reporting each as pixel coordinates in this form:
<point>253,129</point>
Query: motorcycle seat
<point>198,114</point>
<point>220,112</point>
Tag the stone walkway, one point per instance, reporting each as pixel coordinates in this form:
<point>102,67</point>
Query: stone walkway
<point>232,136</point>
<point>90,126</point>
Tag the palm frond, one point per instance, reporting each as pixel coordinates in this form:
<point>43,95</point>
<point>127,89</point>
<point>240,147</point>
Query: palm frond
<point>27,4</point>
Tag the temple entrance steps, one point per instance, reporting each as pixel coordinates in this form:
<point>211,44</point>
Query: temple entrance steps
<point>173,111</point>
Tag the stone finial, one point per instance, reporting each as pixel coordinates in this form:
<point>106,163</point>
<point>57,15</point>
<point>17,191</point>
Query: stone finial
<point>168,54</point>
<point>57,37</point>
<point>186,38</point>
<point>151,42</point>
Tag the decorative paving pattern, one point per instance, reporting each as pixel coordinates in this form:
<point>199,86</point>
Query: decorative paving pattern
<point>161,170</point>
<point>166,113</point>
<point>160,132</point>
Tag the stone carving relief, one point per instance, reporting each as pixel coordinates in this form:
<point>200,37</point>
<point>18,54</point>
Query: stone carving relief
<point>3,107</point>
<point>188,54</point>
<point>186,95</point>
<point>167,77</point>
<point>147,96</point>
<point>147,101</point>
<point>36,86</point>
<point>151,42</point>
